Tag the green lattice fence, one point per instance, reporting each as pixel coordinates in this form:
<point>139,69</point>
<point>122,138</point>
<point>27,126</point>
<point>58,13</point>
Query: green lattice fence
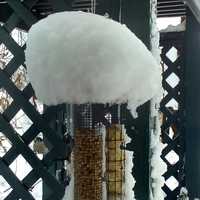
<point>23,14</point>
<point>172,108</point>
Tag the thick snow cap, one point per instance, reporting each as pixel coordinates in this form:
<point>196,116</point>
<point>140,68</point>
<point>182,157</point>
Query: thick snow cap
<point>78,57</point>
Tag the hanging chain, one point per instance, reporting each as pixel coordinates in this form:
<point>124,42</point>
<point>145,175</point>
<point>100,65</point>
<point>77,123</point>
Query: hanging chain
<point>93,6</point>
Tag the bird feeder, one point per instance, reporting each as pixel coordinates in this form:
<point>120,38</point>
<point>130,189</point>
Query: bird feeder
<point>96,64</point>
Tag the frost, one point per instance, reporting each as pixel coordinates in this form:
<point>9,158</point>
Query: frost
<point>78,57</point>
<point>157,165</point>
<point>129,179</point>
<point>155,35</point>
<point>183,194</point>
<point>69,192</point>
<point>104,189</point>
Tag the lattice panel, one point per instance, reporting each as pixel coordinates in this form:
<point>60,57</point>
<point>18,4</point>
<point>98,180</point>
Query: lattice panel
<point>23,15</point>
<point>172,108</point>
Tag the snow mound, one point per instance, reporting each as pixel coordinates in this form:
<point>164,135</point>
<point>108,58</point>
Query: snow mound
<point>78,57</point>
<point>178,28</point>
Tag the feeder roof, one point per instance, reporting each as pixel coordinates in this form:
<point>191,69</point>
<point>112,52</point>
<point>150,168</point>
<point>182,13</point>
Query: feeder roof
<point>171,8</point>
